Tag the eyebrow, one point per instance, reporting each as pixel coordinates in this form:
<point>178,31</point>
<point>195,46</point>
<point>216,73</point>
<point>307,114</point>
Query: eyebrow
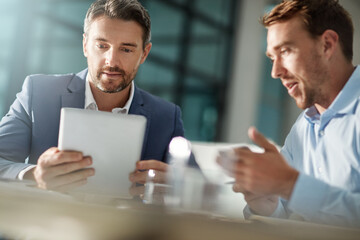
<point>129,44</point>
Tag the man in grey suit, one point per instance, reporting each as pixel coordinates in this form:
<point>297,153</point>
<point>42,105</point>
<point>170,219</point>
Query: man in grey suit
<point>116,42</point>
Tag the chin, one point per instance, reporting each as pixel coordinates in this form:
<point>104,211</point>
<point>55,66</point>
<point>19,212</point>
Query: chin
<point>112,89</point>
<point>303,105</point>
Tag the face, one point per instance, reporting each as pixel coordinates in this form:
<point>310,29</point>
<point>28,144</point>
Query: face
<point>299,62</point>
<point>114,52</point>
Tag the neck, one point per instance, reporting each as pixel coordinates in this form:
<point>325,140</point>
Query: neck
<point>338,78</point>
<point>108,101</point>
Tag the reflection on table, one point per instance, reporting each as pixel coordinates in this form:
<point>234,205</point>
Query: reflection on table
<point>30,213</point>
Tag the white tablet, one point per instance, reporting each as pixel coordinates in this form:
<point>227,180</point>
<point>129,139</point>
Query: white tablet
<point>114,141</point>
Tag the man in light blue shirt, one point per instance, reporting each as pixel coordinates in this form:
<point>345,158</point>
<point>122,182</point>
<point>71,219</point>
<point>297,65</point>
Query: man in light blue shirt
<point>317,174</point>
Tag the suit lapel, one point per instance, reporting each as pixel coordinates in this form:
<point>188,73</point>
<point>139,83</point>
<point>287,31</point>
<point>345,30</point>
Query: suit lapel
<point>138,108</point>
<point>75,98</point>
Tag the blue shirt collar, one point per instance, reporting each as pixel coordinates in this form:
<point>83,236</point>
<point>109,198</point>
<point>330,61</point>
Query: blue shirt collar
<point>344,103</point>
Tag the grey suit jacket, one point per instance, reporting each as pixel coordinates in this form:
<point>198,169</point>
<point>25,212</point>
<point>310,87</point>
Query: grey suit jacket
<point>32,124</point>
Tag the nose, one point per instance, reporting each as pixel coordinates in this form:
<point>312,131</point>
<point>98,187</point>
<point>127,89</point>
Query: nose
<point>278,69</point>
<point>112,58</point>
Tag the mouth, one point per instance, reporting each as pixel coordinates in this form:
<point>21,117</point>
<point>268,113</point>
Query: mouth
<point>291,87</point>
<point>112,74</point>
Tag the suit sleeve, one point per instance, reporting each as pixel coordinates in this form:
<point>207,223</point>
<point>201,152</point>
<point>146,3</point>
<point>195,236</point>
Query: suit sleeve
<point>15,134</point>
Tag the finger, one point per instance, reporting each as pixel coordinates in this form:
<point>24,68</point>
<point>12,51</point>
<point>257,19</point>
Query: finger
<point>143,176</point>
<point>69,178</point>
<point>242,150</point>
<point>260,140</point>
<point>160,177</point>
<point>238,187</point>
<point>53,157</point>
<point>152,164</point>
<point>66,168</point>
<point>138,177</point>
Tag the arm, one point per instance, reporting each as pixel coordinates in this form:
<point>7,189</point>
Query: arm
<point>15,134</point>
<point>317,201</point>
<point>268,173</point>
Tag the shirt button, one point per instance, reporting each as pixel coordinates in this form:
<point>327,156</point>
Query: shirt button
<point>320,170</point>
<point>322,133</point>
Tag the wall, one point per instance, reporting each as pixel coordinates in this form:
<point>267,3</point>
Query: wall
<point>243,89</point>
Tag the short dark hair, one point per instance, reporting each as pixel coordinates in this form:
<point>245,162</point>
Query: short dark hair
<point>128,10</point>
<point>318,16</point>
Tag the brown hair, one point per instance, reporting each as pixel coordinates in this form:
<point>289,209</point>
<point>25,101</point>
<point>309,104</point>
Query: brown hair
<point>128,10</point>
<point>318,16</point>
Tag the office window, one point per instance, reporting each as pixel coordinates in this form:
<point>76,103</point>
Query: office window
<point>192,39</point>
<point>188,64</point>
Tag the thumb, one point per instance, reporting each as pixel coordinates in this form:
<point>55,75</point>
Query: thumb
<point>260,140</point>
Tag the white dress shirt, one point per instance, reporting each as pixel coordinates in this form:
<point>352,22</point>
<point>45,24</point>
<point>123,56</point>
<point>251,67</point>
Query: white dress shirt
<point>91,104</point>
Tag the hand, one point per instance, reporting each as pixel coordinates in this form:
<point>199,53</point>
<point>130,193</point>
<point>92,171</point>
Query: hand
<point>61,170</point>
<point>142,168</point>
<point>261,174</point>
<point>140,175</point>
<point>261,205</point>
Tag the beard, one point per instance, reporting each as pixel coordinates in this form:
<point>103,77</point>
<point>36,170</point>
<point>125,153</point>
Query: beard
<point>113,85</point>
<point>312,91</point>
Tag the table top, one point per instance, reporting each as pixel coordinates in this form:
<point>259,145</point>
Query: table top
<point>31,213</point>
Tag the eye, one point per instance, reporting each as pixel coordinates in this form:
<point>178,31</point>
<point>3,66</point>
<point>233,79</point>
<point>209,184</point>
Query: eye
<point>126,50</point>
<point>284,51</point>
<point>271,58</point>
<point>101,46</point>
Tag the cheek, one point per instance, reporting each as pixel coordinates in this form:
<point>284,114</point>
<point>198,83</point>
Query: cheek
<point>96,59</point>
<point>131,64</point>
<point>291,63</point>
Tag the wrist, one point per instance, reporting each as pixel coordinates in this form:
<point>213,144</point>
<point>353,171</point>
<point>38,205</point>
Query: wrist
<point>289,183</point>
<point>29,174</point>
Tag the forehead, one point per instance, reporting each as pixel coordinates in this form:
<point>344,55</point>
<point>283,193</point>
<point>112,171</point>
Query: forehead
<point>115,29</point>
<point>292,30</point>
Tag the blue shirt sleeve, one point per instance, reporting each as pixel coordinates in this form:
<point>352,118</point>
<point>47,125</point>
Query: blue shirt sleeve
<point>317,201</point>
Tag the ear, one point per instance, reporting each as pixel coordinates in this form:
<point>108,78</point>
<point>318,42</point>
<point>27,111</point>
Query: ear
<point>84,45</point>
<point>146,52</point>
<point>330,40</point>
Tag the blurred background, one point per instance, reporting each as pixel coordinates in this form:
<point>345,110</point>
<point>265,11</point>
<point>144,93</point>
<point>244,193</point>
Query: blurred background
<point>207,57</point>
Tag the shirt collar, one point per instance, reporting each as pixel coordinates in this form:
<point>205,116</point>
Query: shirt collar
<point>344,102</point>
<point>90,102</point>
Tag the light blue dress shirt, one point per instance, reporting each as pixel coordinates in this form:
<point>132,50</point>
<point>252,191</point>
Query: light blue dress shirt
<point>325,149</point>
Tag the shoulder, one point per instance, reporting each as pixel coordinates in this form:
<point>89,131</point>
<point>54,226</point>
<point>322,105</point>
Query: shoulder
<point>49,79</point>
<point>55,82</point>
